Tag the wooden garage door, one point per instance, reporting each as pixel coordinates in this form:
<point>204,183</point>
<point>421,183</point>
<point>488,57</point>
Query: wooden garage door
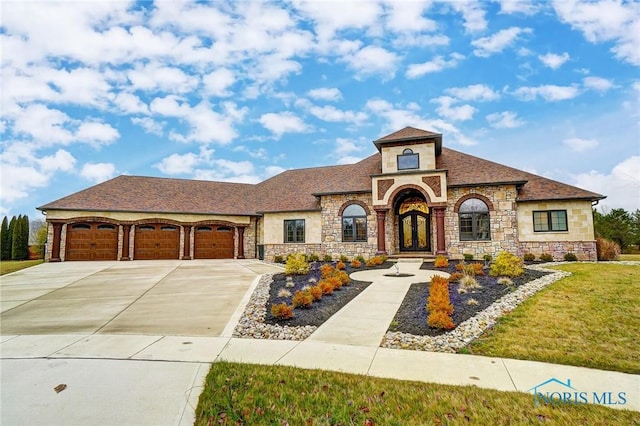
<point>92,241</point>
<point>213,242</point>
<point>156,241</point>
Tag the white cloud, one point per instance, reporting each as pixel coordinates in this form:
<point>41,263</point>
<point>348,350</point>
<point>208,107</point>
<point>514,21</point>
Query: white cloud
<point>19,180</point>
<point>348,159</point>
<point>497,42</point>
<point>474,92</point>
<point>96,133</point>
<point>550,92</point>
<point>273,170</point>
<point>325,94</point>
<point>217,83</point>
<point>504,120</point>
<point>403,17</point>
<point>621,186</point>
<point>155,77</point>
<point>43,124</point>
<point>346,146</point>
<point>615,21</point>
<point>579,144</point>
<point>472,13</point>
<point>598,84</point>
<point>98,172</point>
<point>437,64</point>
<point>333,114</point>
<point>453,112</point>
<point>554,61</point>
<point>525,7</point>
<point>179,164</point>
<point>372,60</point>
<point>349,15</point>
<point>128,103</point>
<point>149,125</point>
<point>281,123</point>
<point>62,160</point>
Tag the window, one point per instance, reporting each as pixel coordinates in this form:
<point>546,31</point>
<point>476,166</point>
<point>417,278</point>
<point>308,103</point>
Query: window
<point>81,226</point>
<point>223,229</point>
<point>204,229</point>
<point>354,223</point>
<point>474,220</point>
<point>294,231</point>
<point>106,227</point>
<point>408,160</point>
<point>549,221</point>
<point>168,228</point>
<point>146,228</point>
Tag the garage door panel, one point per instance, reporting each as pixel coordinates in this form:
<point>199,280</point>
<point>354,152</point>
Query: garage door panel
<point>92,241</point>
<point>213,242</point>
<point>157,241</point>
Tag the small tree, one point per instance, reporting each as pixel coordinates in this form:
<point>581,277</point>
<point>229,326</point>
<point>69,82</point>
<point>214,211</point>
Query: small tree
<point>12,225</point>
<point>5,240</point>
<point>20,243</point>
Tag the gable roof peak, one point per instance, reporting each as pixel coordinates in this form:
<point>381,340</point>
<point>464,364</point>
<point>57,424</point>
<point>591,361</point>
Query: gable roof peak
<point>409,134</point>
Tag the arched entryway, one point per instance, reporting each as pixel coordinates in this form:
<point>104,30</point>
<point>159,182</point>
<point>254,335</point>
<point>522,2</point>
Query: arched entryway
<point>414,222</point>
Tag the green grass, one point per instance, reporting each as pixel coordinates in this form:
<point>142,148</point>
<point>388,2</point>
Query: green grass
<point>243,394</point>
<point>8,266</point>
<point>635,257</point>
<point>590,319</point>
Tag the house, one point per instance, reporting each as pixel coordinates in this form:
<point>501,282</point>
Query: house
<point>413,196</point>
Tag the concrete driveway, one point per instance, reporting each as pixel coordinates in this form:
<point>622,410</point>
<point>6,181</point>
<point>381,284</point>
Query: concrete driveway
<point>170,297</point>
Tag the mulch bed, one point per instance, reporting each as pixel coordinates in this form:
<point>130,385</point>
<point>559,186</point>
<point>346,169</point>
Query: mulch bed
<point>321,310</point>
<point>412,315</point>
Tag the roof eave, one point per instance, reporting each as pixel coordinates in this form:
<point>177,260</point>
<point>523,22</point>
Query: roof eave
<point>575,198</point>
<point>44,208</point>
<point>507,182</point>
<point>438,140</point>
<point>356,191</point>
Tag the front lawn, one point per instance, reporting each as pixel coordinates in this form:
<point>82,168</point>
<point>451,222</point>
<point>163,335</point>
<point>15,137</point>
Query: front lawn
<point>242,394</point>
<point>589,319</point>
<point>9,266</point>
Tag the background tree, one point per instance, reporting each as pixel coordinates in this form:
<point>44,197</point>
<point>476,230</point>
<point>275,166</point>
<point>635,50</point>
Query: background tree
<point>20,243</point>
<point>635,227</point>
<point>12,224</point>
<point>38,235</point>
<point>615,225</point>
<point>5,238</point>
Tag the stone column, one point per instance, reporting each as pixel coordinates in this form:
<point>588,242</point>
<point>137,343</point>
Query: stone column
<point>440,246</point>
<point>55,244</point>
<point>126,232</point>
<point>381,215</point>
<point>187,243</point>
<point>240,242</point>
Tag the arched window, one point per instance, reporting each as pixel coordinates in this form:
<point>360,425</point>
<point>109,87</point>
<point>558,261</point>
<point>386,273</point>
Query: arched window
<point>354,223</point>
<point>474,220</point>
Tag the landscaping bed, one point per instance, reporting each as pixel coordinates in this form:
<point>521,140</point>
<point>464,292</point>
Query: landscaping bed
<point>411,317</point>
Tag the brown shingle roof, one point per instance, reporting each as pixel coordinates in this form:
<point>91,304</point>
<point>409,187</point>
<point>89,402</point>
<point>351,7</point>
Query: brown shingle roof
<point>408,133</point>
<point>297,190</point>
<point>160,195</point>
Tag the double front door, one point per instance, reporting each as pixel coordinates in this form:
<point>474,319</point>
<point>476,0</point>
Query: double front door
<point>414,232</point>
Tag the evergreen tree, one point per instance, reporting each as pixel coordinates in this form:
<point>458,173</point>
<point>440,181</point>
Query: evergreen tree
<point>5,238</point>
<point>20,244</point>
<point>12,225</point>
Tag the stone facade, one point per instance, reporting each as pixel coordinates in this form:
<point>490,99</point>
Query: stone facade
<point>584,250</point>
<point>503,220</point>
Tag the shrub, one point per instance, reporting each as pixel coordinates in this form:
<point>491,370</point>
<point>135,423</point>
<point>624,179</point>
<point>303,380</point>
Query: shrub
<point>343,258</point>
<point>278,259</point>
<point>302,299</point>
<point>487,258</point>
<point>468,282</point>
<point>529,257</point>
<point>607,250</point>
<point>376,260</point>
<point>477,268</point>
<point>327,258</point>
<point>371,262</point>
<point>439,304</point>
<point>335,282</point>
<point>383,258</point>
<point>283,292</point>
<point>570,257</point>
<point>327,270</point>
<point>282,311</point>
<point>360,258</point>
<point>326,286</point>
<point>472,302</point>
<point>546,257</point>
<point>455,277</point>
<point>441,262</point>
<point>341,265</point>
<point>505,281</point>
<point>316,292</point>
<point>507,264</point>
<point>460,266</point>
<point>355,263</point>
<point>313,257</point>
<point>296,264</point>
<point>468,257</point>
<point>343,277</point>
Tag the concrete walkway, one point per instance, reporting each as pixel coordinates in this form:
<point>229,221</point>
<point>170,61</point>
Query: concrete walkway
<point>365,320</point>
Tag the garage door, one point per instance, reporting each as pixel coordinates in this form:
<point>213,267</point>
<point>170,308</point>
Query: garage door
<point>213,242</point>
<point>156,241</point>
<point>92,241</point>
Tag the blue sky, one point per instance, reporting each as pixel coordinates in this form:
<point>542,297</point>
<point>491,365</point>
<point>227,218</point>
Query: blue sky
<point>240,91</point>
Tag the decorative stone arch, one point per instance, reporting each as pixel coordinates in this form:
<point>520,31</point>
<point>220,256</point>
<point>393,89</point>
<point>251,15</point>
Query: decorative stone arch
<point>93,219</point>
<point>157,220</point>
<point>480,197</point>
<point>350,202</point>
<point>216,222</point>
<point>399,189</point>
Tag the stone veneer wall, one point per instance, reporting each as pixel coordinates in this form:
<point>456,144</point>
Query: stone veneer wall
<point>272,250</point>
<point>332,227</point>
<point>503,219</point>
<point>584,250</point>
